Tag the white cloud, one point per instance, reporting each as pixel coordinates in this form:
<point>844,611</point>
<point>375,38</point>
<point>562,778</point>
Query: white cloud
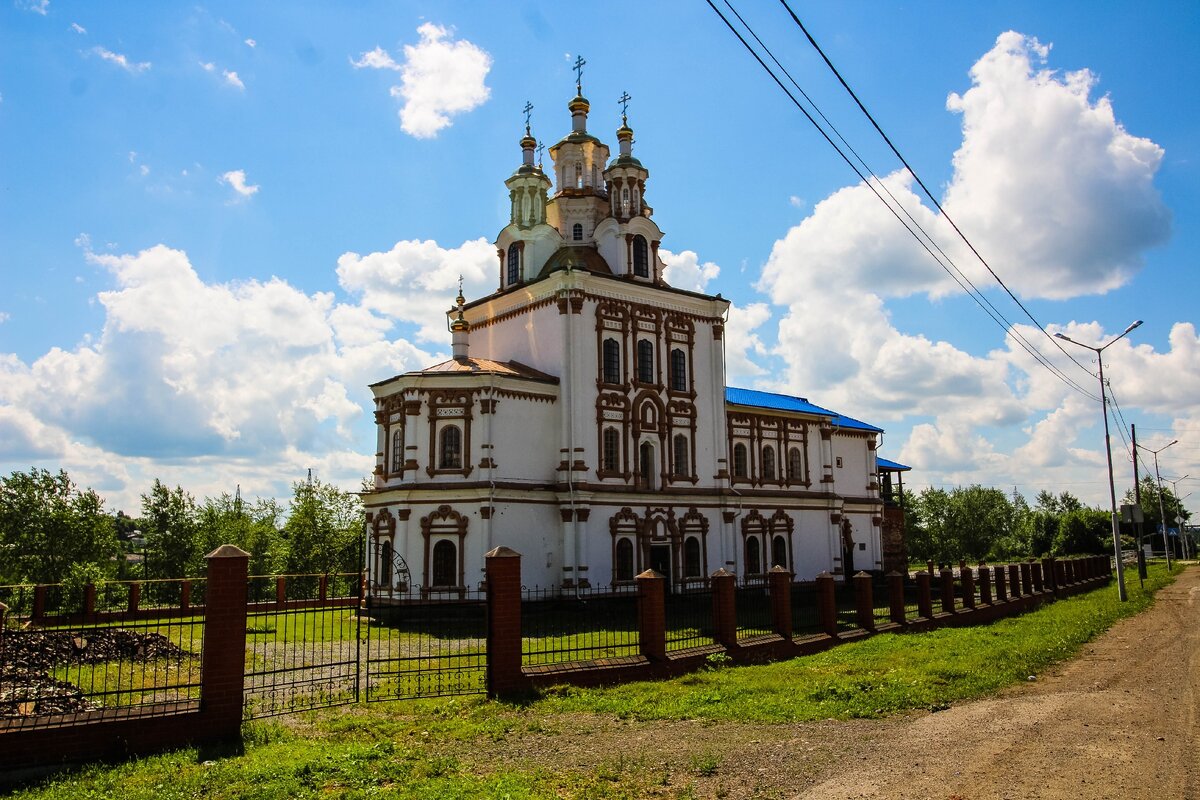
<point>440,77</point>
<point>5,317</point>
<point>684,270</point>
<point>743,345</point>
<point>121,61</point>
<point>36,6</point>
<point>251,43</point>
<point>145,170</point>
<point>236,179</point>
<point>75,26</point>
<point>233,80</point>
<point>208,66</point>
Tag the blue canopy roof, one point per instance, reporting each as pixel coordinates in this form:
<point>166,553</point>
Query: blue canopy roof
<point>780,402</point>
<point>890,466</point>
<point>842,421</point>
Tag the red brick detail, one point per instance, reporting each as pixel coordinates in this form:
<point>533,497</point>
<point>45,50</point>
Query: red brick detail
<point>826,604</point>
<point>779,582</point>
<point>864,602</point>
<point>223,654</point>
<point>724,609</point>
<point>503,571</point>
<point>652,615</point>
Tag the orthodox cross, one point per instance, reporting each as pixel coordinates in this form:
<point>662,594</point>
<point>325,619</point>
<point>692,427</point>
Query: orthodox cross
<point>540,148</point>
<point>527,109</point>
<point>579,62</point>
<point>624,101</point>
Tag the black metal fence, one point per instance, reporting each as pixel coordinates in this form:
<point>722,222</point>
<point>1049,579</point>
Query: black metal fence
<point>563,626</point>
<point>752,606</point>
<point>689,620</point>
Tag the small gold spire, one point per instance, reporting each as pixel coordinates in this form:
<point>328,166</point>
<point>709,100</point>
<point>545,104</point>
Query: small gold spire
<point>460,323</point>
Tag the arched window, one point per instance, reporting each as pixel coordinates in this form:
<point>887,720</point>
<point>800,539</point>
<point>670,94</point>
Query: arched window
<point>450,451</point>
<point>624,559</point>
<point>397,450</point>
<point>641,257</point>
<point>385,563</point>
<point>679,449</point>
<point>678,370</point>
<point>691,557</point>
<point>612,361</point>
<point>645,361</point>
<point>646,464</point>
<point>779,552</point>
<point>753,556</point>
<point>739,461</point>
<point>578,174</point>
<point>514,264</point>
<point>445,564</point>
<point>577,232</point>
<point>768,463</point>
<point>625,202</point>
<point>795,465</point>
<point>611,457</point>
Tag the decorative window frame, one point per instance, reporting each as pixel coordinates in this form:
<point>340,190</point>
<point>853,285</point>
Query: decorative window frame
<point>450,407</point>
<point>444,523</point>
<point>680,334</point>
<point>754,525</point>
<point>613,322</point>
<point>613,410</point>
<point>625,523</point>
<point>782,524</point>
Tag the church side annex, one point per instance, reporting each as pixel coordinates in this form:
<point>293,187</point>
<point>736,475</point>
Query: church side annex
<point>584,420</point>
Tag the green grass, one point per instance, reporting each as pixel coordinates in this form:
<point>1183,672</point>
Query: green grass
<point>445,748</point>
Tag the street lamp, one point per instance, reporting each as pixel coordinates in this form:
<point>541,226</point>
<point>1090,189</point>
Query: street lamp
<point>1161,514</point>
<point>1183,542</point>
<point>1112,490</point>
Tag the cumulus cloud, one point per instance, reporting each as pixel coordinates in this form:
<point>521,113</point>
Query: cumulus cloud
<point>232,79</point>
<point>684,270</point>
<point>236,179</point>
<point>132,67</point>
<point>744,347</point>
<point>36,6</point>
<point>440,77</point>
<point>75,26</point>
<point>251,43</point>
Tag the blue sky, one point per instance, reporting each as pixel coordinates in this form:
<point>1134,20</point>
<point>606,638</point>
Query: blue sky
<point>219,222</point>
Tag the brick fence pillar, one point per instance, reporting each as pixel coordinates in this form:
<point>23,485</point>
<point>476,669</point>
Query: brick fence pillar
<point>323,588</point>
<point>780,583</point>
<point>826,604</point>
<point>985,585</point>
<point>223,653</point>
<point>1014,581</point>
<point>1035,570</point>
<point>947,592</point>
<point>896,597</point>
<point>929,566</point>
<point>967,577</point>
<point>1026,578</point>
<point>724,608</point>
<point>1060,576</point>
<point>1048,573</point>
<point>1001,589</point>
<point>864,601</point>
<point>135,597</point>
<point>924,597</point>
<point>89,600</point>
<point>652,615</point>
<point>281,590</point>
<point>502,571</point>
<point>185,595</point>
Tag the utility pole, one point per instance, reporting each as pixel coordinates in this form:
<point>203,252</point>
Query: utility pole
<point>1161,514</point>
<point>1137,500</point>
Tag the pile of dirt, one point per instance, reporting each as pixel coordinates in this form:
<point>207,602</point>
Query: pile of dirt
<point>28,656</point>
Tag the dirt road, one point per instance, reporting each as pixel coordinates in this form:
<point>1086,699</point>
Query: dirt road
<point>1118,722</point>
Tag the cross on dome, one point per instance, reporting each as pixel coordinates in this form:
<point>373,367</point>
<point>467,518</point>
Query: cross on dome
<point>528,110</point>
<point>579,62</point>
<point>624,101</point>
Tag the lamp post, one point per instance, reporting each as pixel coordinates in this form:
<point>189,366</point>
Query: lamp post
<point>1183,542</point>
<point>1112,490</point>
<point>1161,514</point>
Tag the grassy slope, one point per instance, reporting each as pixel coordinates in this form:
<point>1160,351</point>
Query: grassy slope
<point>401,749</point>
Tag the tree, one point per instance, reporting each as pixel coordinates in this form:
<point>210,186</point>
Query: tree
<point>254,527</point>
<point>323,529</point>
<point>1083,531</point>
<point>964,523</point>
<point>169,525</point>
<point>47,525</point>
<point>1153,520</point>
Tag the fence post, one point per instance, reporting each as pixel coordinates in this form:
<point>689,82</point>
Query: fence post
<point>896,597</point>
<point>1048,574</point>
<point>724,608</point>
<point>89,600</point>
<point>652,615</point>
<point>502,570</point>
<point>1060,576</point>
<point>1001,589</point>
<point>864,601</point>
<point>947,577</point>
<point>280,591</point>
<point>39,602</point>
<point>185,595</point>
<point>826,604</point>
<point>3,613</point>
<point>929,566</point>
<point>323,588</point>
<point>1014,581</point>
<point>1026,578</point>
<point>924,597</point>
<point>223,652</point>
<point>985,585</point>
<point>968,587</point>
<point>780,582</point>
<point>135,597</point>
<point>1036,570</point>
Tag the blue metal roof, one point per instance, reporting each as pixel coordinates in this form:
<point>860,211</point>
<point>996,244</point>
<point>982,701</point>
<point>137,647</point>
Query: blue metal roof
<point>890,466</point>
<point>780,402</point>
<point>842,421</point>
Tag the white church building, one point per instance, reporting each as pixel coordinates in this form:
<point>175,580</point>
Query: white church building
<point>584,419</point>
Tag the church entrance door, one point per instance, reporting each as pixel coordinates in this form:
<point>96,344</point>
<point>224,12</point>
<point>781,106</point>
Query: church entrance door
<point>660,560</point>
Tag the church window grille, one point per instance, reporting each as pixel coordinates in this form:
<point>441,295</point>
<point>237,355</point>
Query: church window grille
<point>611,450</point>
<point>612,361</point>
<point>753,556</point>
<point>397,450</point>
<point>641,257</point>
<point>625,202</point>
<point>779,552</point>
<point>385,564</point>
<point>450,451</point>
<point>646,463</point>
<point>624,559</point>
<point>445,564</point>
<point>795,465</point>
<point>768,463</point>
<point>577,232</point>
<point>645,361</point>
<point>678,371</point>
<point>739,461</point>
<point>514,264</point>
<point>691,557</point>
<point>680,446</point>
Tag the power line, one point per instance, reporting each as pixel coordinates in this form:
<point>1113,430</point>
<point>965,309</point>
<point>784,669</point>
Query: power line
<point>952,270</point>
<point>925,188</point>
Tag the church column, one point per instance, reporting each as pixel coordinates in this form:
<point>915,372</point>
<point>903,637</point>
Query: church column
<point>412,410</point>
<point>400,545</point>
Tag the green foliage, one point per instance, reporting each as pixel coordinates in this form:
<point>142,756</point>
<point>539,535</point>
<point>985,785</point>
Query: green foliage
<point>1083,531</point>
<point>254,527</point>
<point>47,525</point>
<point>323,529</point>
<point>169,522</point>
<point>963,523</point>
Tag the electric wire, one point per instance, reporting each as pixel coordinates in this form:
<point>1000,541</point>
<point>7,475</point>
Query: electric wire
<point>924,188</point>
<point>960,279</point>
